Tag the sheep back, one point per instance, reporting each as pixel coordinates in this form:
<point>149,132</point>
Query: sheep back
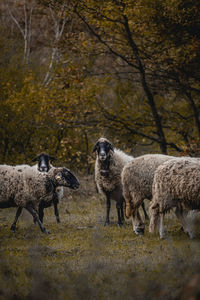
<point>137,179</point>
<point>22,186</point>
<point>177,181</point>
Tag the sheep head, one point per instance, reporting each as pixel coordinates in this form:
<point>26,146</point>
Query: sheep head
<point>103,148</point>
<point>63,177</point>
<point>43,160</point>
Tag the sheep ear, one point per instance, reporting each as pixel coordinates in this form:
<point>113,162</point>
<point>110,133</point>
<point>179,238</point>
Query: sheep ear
<point>111,147</point>
<point>95,148</point>
<point>35,159</point>
<point>52,158</point>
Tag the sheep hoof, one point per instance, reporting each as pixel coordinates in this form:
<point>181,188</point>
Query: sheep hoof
<point>181,229</point>
<point>106,223</point>
<point>140,233</point>
<point>189,233</point>
<point>13,228</point>
<point>58,221</point>
<point>46,231</point>
<point>120,225</point>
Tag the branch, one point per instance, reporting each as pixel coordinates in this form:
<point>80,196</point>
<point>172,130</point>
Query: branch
<point>114,119</point>
<point>104,42</point>
<point>15,21</point>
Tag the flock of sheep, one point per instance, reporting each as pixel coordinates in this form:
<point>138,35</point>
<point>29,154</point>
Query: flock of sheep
<point>167,181</point>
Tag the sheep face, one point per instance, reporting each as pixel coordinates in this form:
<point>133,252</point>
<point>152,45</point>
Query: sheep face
<point>43,162</point>
<point>65,178</point>
<point>103,149</point>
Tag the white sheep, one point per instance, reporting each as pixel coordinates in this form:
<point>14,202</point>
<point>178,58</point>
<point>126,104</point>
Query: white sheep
<point>176,184</point>
<point>108,166</point>
<point>26,188</point>
<point>137,179</point>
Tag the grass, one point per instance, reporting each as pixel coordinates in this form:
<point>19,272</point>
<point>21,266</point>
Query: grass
<point>82,259</point>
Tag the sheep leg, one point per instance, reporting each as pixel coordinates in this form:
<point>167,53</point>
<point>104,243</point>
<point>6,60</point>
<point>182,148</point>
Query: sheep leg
<point>122,211</point>
<point>41,212</point>
<point>138,225</point>
<point>119,209</point>
<point>161,227</point>
<point>36,218</point>
<point>145,213</point>
<point>107,222</point>
<point>56,212</point>
<point>18,213</point>
<point>154,218</point>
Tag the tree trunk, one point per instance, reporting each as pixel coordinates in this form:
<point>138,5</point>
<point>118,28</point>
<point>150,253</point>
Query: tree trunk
<point>149,95</point>
<point>195,111</point>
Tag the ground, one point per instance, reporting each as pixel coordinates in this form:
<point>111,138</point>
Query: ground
<point>81,258</point>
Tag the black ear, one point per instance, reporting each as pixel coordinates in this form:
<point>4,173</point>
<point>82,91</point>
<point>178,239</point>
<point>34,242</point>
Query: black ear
<point>95,147</point>
<point>111,147</point>
<point>52,158</point>
<point>35,159</point>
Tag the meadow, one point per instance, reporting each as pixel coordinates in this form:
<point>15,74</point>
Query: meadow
<point>82,259</point>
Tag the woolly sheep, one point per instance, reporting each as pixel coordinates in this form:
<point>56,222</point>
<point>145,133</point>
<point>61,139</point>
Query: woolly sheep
<point>43,165</point>
<point>137,178</point>
<point>26,188</point>
<point>108,166</point>
<point>176,184</point>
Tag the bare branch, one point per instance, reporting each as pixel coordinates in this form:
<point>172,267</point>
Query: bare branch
<point>15,21</point>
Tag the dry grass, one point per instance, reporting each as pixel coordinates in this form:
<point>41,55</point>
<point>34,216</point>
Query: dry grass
<point>83,259</point>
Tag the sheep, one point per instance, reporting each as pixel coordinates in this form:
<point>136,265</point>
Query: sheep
<point>43,165</point>
<point>26,188</point>
<point>137,178</point>
<point>176,184</point>
<point>108,166</point>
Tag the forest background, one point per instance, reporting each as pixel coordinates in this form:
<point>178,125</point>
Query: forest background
<point>72,71</point>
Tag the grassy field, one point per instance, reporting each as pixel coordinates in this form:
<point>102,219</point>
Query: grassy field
<point>82,259</point>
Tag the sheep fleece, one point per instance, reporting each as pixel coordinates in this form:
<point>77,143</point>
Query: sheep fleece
<point>22,185</point>
<point>137,176</point>
<point>118,160</point>
<point>177,181</point>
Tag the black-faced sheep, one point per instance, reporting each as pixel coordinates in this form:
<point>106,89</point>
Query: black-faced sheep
<point>137,179</point>
<point>108,166</point>
<point>26,188</point>
<point>176,184</point>
<point>43,165</point>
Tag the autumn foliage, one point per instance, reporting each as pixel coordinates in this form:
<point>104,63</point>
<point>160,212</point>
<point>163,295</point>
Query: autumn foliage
<point>73,71</point>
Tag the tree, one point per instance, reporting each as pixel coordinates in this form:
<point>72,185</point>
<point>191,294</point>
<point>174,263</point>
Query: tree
<point>111,25</point>
<point>23,22</point>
